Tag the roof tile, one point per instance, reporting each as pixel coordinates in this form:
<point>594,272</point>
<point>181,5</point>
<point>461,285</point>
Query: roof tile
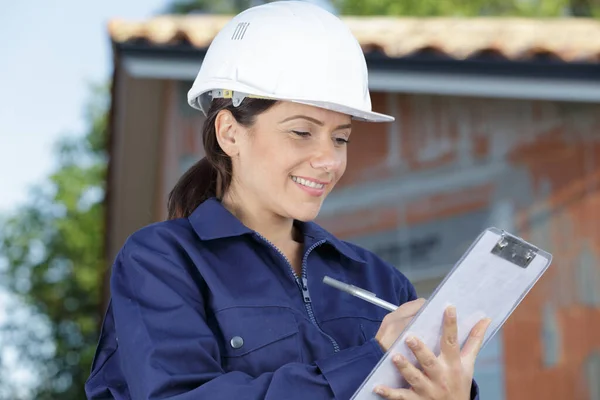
<point>566,39</point>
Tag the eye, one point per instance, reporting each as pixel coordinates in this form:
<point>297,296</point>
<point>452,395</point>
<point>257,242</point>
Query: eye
<point>342,140</point>
<point>301,134</point>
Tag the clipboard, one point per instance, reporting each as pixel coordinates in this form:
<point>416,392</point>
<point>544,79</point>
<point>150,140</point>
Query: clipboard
<point>490,280</point>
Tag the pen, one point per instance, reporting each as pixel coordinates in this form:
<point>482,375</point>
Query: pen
<point>360,293</point>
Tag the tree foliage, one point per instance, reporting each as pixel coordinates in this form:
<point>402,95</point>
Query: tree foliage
<point>211,6</point>
<point>52,251</point>
<point>470,8</point>
<point>418,8</point>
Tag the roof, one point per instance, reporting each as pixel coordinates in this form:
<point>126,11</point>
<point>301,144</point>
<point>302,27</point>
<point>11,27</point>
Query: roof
<point>514,39</point>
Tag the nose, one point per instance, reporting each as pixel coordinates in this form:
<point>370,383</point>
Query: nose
<point>328,157</point>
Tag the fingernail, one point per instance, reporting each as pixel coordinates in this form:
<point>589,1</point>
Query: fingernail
<point>411,341</point>
<point>451,311</point>
<point>398,359</point>
<point>380,391</point>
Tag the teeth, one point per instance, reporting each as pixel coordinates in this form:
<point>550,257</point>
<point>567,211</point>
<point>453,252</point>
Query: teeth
<point>310,184</point>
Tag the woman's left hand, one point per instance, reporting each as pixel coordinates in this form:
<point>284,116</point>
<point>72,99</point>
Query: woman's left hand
<point>447,377</point>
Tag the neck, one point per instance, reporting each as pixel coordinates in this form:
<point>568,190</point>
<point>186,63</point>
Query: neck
<point>276,229</point>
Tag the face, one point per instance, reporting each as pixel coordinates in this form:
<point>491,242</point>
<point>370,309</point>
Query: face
<point>289,160</point>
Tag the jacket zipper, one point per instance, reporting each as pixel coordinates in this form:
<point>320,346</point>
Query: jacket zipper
<point>302,283</point>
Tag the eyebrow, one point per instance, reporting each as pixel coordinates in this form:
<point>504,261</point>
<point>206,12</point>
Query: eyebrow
<point>315,121</point>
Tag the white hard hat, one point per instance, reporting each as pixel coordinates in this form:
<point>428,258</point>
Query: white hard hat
<point>287,50</point>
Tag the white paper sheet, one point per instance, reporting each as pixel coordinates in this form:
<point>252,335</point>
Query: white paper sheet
<point>482,284</point>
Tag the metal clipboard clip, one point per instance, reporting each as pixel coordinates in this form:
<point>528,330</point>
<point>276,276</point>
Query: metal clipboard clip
<point>515,250</point>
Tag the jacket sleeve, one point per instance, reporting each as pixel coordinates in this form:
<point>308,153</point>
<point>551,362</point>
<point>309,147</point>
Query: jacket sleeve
<point>169,352</point>
<point>474,391</point>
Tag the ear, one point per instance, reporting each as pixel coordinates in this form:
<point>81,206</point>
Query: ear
<point>227,130</point>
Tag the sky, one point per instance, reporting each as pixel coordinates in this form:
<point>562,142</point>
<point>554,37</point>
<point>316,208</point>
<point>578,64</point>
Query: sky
<point>50,52</point>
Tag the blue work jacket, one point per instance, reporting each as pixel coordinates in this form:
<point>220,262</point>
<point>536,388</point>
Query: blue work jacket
<point>205,308</point>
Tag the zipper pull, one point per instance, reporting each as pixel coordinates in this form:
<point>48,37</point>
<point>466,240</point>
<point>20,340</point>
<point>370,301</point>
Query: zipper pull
<point>305,293</point>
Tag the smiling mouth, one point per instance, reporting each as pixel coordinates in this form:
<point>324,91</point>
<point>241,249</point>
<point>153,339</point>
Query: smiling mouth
<point>308,183</point>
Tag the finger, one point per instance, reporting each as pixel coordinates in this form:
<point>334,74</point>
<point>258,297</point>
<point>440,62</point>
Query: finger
<point>396,394</point>
<point>475,340</point>
<point>449,344</point>
<point>410,308</point>
<point>413,376</point>
<point>427,359</point>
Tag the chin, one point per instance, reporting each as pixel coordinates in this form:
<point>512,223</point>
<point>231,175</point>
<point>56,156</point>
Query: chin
<point>305,212</point>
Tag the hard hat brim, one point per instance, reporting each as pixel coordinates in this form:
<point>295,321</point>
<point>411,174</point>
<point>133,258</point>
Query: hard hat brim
<point>198,99</point>
<point>356,114</point>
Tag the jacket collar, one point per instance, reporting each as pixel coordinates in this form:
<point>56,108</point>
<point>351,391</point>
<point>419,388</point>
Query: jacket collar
<point>212,221</point>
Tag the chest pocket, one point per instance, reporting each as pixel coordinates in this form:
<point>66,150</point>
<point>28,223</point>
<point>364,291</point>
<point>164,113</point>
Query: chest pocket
<point>258,339</point>
<point>353,322</point>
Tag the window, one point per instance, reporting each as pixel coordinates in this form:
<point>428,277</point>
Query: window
<point>427,251</point>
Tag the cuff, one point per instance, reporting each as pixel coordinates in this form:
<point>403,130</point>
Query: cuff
<point>474,391</point>
<point>346,370</point>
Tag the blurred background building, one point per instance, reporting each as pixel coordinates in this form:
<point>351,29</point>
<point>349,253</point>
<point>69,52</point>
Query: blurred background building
<point>497,124</point>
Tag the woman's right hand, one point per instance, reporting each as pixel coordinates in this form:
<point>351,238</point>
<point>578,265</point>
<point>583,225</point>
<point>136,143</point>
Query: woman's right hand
<point>394,323</point>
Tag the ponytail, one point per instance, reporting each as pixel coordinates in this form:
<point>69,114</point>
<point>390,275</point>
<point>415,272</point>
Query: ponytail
<point>211,176</point>
<point>195,186</point>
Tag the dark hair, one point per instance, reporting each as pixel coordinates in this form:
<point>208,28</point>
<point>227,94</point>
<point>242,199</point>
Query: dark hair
<point>211,176</point>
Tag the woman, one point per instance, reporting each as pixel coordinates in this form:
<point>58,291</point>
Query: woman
<point>225,299</point>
